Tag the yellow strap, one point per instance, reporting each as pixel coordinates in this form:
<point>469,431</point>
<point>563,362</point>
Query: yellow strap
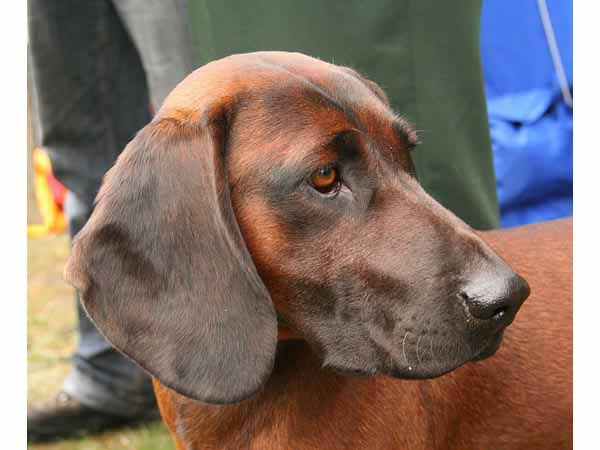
<point>52,217</point>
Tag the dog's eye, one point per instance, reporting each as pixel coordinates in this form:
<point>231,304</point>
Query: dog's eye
<point>325,179</point>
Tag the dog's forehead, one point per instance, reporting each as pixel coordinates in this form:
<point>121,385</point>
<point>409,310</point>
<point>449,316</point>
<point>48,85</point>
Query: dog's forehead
<point>288,96</point>
<point>233,76</point>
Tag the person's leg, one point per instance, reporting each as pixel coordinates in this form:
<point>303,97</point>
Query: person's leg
<point>161,33</point>
<point>90,97</point>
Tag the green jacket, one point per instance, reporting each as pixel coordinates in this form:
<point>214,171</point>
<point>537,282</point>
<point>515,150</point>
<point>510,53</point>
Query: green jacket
<point>424,53</point>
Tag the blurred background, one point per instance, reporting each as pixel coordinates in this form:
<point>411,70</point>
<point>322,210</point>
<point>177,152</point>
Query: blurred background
<point>526,56</point>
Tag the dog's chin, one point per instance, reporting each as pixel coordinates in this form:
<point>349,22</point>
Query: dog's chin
<point>349,372</point>
<point>427,369</point>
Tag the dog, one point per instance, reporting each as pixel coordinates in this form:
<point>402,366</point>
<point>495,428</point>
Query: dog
<point>264,250</point>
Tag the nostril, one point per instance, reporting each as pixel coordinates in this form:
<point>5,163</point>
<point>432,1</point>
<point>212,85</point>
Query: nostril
<point>484,308</point>
<point>499,313</point>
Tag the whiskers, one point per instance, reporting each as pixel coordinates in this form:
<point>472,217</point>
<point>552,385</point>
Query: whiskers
<point>418,357</point>
<point>404,351</point>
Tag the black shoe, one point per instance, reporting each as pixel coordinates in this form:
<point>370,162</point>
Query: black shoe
<point>64,417</point>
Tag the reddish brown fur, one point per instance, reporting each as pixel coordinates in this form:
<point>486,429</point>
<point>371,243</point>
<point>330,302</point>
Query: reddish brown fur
<point>518,399</point>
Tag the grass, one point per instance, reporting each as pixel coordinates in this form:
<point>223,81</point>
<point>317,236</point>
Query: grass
<point>51,340</point>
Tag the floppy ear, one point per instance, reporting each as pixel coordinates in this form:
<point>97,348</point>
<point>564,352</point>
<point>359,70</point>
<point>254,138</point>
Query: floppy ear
<point>163,270</point>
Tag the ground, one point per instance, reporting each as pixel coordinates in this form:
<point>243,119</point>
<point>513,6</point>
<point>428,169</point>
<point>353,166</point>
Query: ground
<point>51,340</point>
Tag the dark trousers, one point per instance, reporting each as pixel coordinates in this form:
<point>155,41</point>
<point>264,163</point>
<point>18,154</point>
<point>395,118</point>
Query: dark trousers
<point>97,70</point>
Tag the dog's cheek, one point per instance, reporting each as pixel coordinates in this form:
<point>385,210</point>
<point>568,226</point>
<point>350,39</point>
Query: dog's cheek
<point>264,235</point>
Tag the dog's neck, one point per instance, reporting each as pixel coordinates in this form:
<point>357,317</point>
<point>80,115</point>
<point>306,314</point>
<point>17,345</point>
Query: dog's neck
<point>285,333</point>
<point>300,389</point>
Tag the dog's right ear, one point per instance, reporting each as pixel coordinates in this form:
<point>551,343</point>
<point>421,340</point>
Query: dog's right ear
<point>164,272</point>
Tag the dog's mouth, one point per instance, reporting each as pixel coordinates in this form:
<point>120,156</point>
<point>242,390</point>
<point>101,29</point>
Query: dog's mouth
<point>434,369</point>
<point>490,347</point>
<point>425,368</point>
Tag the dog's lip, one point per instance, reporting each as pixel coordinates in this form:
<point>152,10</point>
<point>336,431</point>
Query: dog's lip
<point>489,348</point>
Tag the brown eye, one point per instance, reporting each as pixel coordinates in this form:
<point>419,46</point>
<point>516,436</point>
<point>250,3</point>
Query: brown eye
<point>325,179</point>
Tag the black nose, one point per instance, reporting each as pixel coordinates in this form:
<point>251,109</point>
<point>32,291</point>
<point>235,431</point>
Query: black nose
<point>495,297</point>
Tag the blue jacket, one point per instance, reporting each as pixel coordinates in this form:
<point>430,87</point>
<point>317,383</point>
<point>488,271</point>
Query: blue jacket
<point>531,124</point>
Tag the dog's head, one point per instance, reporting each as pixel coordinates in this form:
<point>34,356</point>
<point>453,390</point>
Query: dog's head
<point>276,188</point>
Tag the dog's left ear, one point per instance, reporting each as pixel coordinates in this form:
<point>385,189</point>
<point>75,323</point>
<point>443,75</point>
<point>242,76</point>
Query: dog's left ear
<point>163,269</point>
